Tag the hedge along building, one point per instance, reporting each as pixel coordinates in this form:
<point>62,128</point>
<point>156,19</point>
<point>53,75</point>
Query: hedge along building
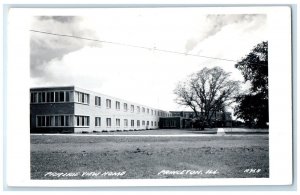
<point>75,110</point>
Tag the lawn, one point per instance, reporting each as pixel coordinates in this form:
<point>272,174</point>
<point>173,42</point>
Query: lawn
<point>142,157</point>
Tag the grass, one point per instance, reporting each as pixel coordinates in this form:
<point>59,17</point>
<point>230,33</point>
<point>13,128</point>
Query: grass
<point>145,157</point>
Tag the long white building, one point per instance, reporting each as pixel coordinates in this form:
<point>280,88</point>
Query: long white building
<point>75,110</point>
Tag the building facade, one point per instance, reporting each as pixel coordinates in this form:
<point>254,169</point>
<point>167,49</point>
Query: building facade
<point>74,110</point>
<point>187,119</point>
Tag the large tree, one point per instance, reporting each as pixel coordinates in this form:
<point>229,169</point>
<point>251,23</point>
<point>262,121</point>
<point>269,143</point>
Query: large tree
<point>206,92</point>
<point>253,106</point>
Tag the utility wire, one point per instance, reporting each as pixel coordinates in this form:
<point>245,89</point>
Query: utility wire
<point>137,46</point>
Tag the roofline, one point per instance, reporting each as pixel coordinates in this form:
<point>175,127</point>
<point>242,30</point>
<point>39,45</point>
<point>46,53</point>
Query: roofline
<point>67,86</point>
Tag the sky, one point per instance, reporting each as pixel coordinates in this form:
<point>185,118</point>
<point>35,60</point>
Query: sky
<point>144,76</point>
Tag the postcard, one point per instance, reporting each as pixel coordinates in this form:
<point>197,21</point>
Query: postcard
<point>139,96</point>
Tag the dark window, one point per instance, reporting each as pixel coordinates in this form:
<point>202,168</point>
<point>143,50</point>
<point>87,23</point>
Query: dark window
<point>108,122</point>
<point>108,103</point>
<point>97,101</point>
<point>97,121</point>
<point>48,121</point>
<point>52,121</point>
<point>56,121</point>
<point>33,97</point>
<point>61,96</point>
<point>67,96</point>
<point>82,97</point>
<point>39,121</point>
<point>67,119</point>
<point>48,96</point>
<point>39,97</point>
<point>132,123</point>
<point>56,96</point>
<point>62,120</point>
<point>43,121</point>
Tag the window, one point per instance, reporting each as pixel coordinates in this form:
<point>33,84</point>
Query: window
<point>38,121</point>
<point>147,110</point>
<point>86,98</point>
<point>108,122</point>
<point>125,107</point>
<point>132,108</point>
<point>155,123</point>
<point>117,105</point>
<point>54,121</point>
<point>67,120</point>
<point>108,103</point>
<point>97,101</point>
<point>48,97</point>
<point>62,120</point>
<point>143,110</point>
<point>57,121</point>
<point>56,96</point>
<point>82,120</point>
<point>147,123</point>
<point>61,96</point>
<point>41,121</point>
<point>143,123</point>
<point>138,123</point>
<point>81,97</point>
<point>151,112</point>
<point>67,97</point>
<point>173,123</point>
<point>132,123</point>
<point>138,109</point>
<point>52,96</point>
<point>97,121</point>
<point>125,122</point>
<point>33,97</point>
<point>151,123</point>
<point>118,122</point>
<point>42,97</point>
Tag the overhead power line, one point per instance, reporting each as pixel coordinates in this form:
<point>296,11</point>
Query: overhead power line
<point>137,46</point>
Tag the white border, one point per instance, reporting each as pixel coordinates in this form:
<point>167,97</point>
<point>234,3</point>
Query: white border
<point>18,148</point>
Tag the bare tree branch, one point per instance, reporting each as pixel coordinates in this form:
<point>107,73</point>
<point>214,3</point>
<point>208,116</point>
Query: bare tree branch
<point>207,91</point>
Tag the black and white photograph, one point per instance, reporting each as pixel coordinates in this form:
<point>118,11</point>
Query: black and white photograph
<point>150,96</point>
<point>149,93</point>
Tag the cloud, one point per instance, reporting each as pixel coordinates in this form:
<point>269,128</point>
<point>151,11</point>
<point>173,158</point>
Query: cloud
<point>215,24</point>
<point>139,75</point>
<point>63,19</point>
<point>44,48</point>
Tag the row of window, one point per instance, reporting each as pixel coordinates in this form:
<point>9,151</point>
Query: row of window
<point>125,107</point>
<point>84,98</point>
<point>83,121</point>
<point>125,122</point>
<point>170,123</point>
<point>51,96</point>
<point>59,96</point>
<point>62,121</point>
